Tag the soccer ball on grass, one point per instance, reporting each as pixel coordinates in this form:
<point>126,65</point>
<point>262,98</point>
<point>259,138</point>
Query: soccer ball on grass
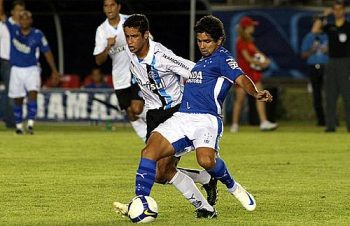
<point>143,209</point>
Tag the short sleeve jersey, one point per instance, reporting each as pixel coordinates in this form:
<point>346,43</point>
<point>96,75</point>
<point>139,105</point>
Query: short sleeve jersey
<point>120,62</point>
<point>24,48</point>
<point>210,81</point>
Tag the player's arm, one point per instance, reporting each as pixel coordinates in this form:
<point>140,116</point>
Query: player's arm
<point>103,56</point>
<point>248,86</point>
<point>51,61</point>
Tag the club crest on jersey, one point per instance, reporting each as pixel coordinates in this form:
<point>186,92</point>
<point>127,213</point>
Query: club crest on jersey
<point>195,77</point>
<point>232,63</point>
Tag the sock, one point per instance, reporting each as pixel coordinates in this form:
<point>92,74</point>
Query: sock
<point>18,113</point>
<point>189,190</point>
<point>19,126</point>
<point>198,176</point>
<point>30,123</point>
<point>221,173</point>
<point>32,109</point>
<point>140,128</point>
<point>145,176</point>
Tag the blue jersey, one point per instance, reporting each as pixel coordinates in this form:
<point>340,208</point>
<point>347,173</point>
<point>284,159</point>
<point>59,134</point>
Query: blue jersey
<point>24,48</point>
<point>210,80</point>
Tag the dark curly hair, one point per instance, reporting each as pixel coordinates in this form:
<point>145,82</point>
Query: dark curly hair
<point>138,21</point>
<point>212,26</point>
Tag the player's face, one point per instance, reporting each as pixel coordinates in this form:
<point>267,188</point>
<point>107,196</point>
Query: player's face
<point>25,21</point>
<point>206,44</point>
<point>16,11</point>
<point>338,11</point>
<point>135,40</point>
<point>111,9</point>
<point>250,29</point>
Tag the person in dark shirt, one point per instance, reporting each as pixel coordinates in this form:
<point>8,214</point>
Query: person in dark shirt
<point>337,74</point>
<point>314,50</point>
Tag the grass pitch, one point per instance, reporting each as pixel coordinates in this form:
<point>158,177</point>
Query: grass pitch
<point>70,175</point>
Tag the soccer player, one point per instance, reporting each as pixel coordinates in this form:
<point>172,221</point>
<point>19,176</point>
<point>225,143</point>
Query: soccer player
<point>17,7</point>
<point>157,70</point>
<point>25,72</point>
<point>198,121</point>
<point>110,41</point>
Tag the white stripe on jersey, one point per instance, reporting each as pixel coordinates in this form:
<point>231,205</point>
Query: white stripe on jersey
<point>157,76</point>
<point>217,90</point>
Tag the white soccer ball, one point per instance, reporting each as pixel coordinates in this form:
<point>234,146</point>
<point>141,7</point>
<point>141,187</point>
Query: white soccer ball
<point>260,58</point>
<point>143,209</point>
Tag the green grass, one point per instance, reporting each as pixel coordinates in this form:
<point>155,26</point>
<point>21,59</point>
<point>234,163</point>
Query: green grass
<point>70,175</point>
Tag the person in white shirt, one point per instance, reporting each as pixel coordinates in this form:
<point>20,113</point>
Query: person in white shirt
<point>17,7</point>
<point>110,42</point>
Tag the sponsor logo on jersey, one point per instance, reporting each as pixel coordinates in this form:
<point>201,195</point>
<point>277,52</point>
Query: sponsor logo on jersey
<point>20,46</point>
<point>176,62</point>
<point>151,86</point>
<point>195,77</point>
<point>232,63</point>
<point>116,49</point>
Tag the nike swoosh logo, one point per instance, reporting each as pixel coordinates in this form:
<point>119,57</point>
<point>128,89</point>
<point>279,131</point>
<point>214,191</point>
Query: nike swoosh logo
<point>251,200</point>
<point>146,212</point>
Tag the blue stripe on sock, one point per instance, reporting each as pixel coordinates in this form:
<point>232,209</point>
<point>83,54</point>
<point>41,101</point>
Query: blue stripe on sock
<point>145,177</point>
<point>221,173</point>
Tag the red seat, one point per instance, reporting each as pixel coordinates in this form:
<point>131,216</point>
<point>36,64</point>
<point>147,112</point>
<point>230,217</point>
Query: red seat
<point>70,81</point>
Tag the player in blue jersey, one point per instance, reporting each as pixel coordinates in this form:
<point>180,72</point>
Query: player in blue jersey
<point>198,121</point>
<point>25,72</point>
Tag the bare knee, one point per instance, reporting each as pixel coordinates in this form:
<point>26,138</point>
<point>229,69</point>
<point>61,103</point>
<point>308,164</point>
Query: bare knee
<point>206,162</point>
<point>206,158</point>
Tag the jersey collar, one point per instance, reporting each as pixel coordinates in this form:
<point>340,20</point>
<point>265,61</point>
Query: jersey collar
<point>149,57</point>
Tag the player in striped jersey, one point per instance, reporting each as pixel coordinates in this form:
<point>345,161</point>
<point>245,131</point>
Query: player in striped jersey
<point>159,72</point>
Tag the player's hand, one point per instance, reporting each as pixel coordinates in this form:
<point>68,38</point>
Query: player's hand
<point>264,96</point>
<point>111,41</point>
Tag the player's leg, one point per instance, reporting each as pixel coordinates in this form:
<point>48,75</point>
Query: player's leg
<point>344,85</point>
<point>208,182</point>
<point>206,133</point>
<point>18,113</point>
<point>17,92</point>
<point>137,118</point>
<point>206,158</point>
<point>237,108</point>
<point>32,109</point>
<point>167,173</point>
<point>32,83</point>
<point>154,118</point>
<point>331,92</point>
<point>265,125</point>
<point>125,98</point>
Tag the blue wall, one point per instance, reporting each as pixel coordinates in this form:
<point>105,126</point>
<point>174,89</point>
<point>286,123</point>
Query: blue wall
<point>279,36</point>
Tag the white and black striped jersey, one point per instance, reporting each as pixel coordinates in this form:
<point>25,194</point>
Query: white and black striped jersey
<point>160,75</point>
<point>120,62</point>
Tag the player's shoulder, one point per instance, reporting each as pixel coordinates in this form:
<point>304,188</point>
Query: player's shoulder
<point>123,17</point>
<point>38,32</point>
<point>223,53</point>
<point>103,26</point>
<point>160,48</point>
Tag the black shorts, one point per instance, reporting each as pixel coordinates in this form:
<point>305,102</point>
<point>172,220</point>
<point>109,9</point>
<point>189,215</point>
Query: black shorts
<point>125,96</point>
<point>155,117</point>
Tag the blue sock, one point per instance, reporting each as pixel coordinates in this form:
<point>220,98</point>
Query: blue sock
<point>18,113</point>
<point>221,173</point>
<point>145,176</point>
<point>32,109</point>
